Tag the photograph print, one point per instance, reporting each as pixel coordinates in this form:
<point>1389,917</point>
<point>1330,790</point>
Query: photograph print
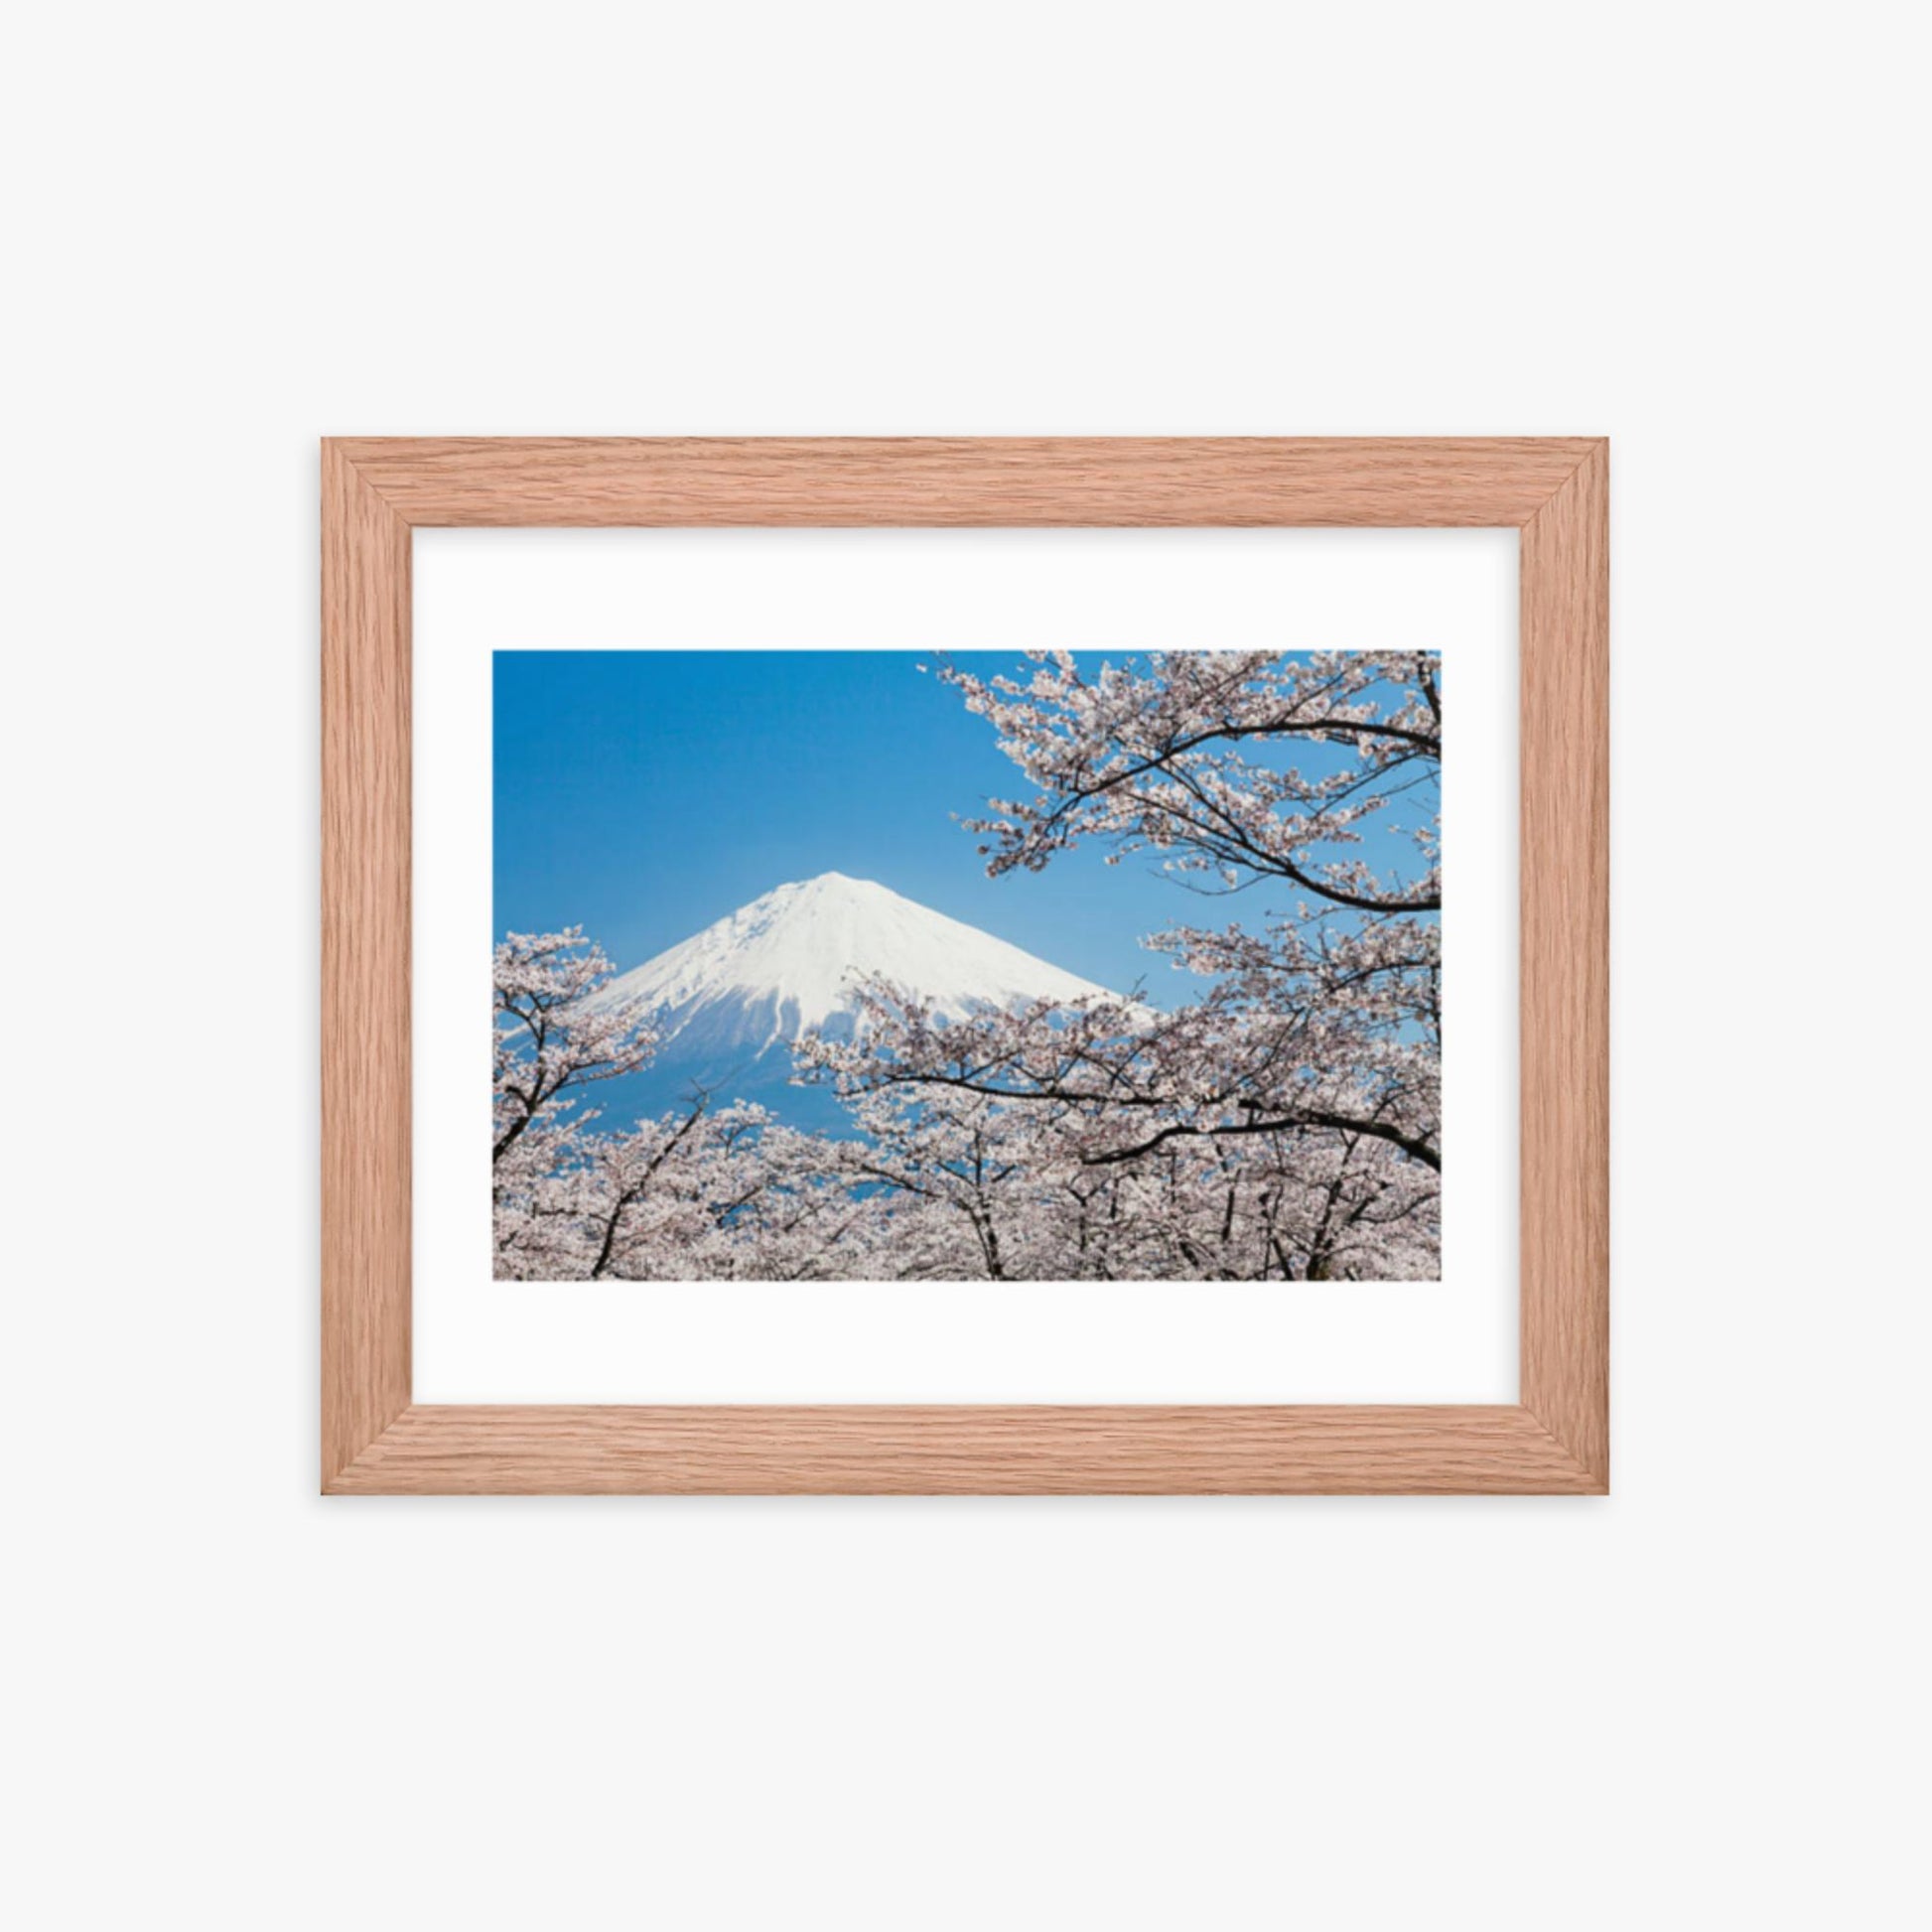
<point>858,965</point>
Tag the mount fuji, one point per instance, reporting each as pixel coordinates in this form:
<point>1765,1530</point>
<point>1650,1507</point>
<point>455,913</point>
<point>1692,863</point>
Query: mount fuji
<point>728,1002</point>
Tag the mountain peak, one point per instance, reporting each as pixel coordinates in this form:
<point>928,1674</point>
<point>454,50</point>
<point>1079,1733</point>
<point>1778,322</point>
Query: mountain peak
<point>829,881</point>
<point>787,962</point>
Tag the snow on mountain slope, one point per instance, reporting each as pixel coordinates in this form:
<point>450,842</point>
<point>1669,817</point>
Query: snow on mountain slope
<point>786,963</point>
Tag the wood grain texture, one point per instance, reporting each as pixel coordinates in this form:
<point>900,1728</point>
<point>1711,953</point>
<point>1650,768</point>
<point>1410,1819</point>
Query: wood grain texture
<point>1565,943</point>
<point>1556,1441</point>
<point>984,1451</point>
<point>366,1228</point>
<point>930,481</point>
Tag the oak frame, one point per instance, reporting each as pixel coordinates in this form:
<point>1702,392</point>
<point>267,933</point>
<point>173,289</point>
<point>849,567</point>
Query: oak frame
<point>377,1441</point>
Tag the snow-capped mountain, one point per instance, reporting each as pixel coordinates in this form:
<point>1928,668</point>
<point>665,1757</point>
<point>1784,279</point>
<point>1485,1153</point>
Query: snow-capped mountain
<point>747,986</point>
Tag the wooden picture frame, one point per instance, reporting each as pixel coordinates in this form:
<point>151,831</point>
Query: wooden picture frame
<point>376,1441</point>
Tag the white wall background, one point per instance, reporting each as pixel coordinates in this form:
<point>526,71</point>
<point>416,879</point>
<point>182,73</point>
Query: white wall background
<point>237,228</point>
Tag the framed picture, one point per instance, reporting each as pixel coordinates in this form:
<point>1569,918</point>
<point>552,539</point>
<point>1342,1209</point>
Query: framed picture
<point>984,945</point>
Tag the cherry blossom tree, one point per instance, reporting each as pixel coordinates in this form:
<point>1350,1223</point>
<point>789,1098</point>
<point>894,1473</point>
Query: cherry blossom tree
<point>703,1193</point>
<point>552,1035</point>
<point>1159,755</point>
<point>1308,1073</point>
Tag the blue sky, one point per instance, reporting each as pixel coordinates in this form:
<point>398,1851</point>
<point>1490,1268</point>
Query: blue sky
<point>644,794</point>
